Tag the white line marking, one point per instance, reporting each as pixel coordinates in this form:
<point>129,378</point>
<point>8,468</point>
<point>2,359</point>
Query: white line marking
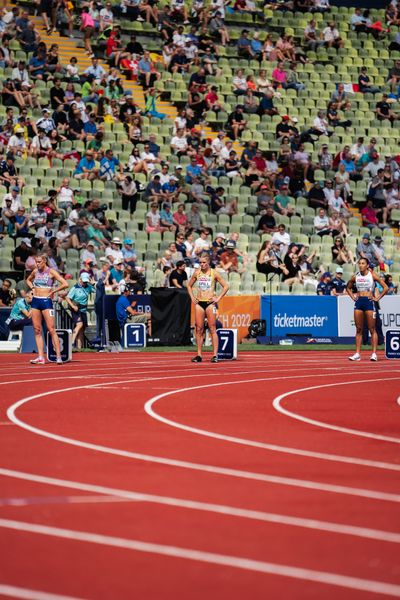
<point>367,434</point>
<point>273,447</point>
<point>236,562</point>
<point>18,592</point>
<point>302,483</point>
<point>231,511</point>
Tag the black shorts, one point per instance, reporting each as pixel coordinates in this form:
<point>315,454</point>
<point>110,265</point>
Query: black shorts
<point>204,304</point>
<point>79,317</point>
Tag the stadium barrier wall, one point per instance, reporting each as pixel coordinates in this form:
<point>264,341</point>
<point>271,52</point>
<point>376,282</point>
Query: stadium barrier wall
<point>389,313</point>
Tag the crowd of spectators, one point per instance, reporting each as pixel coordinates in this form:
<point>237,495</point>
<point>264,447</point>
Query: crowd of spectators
<point>187,189</point>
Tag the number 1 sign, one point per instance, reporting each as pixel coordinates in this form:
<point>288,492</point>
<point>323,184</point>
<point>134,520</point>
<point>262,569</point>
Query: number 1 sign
<point>392,343</point>
<point>227,344</point>
<point>134,335</point>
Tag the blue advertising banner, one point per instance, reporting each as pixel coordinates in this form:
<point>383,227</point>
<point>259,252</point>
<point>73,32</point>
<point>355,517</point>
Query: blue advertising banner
<point>314,316</point>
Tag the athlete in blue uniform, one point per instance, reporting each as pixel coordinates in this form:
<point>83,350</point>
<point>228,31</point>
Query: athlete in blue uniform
<point>364,282</point>
<point>41,281</point>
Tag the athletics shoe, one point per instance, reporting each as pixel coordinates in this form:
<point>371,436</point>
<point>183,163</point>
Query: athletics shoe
<point>214,359</point>
<point>59,360</point>
<point>374,357</point>
<point>355,357</point>
<point>38,361</point>
<point>197,359</point>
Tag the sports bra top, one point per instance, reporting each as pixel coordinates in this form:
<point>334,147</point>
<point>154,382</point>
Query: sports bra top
<point>365,283</point>
<point>43,279</point>
<point>205,282</point>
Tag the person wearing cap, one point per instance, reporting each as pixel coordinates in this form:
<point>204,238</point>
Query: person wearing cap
<point>228,260</point>
<point>21,254</point>
<point>128,253</point>
<point>114,251</point>
<point>17,144</point>
<point>366,250</point>
<point>218,246</point>
<point>86,168</point>
<point>380,252</point>
<point>78,299</point>
<point>338,284</point>
<point>14,196</point>
<point>324,287</point>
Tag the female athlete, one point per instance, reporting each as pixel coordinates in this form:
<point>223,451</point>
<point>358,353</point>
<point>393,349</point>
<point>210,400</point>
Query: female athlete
<point>205,302</point>
<point>41,282</point>
<point>364,308</point>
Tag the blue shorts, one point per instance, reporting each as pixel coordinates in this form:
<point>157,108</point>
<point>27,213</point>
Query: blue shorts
<point>42,303</point>
<point>363,303</point>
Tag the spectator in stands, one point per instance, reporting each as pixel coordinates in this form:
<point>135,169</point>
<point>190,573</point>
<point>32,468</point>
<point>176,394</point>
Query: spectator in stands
<point>321,223</point>
<point>236,122</point>
<point>283,204</point>
<point>316,196</point>
<point>228,261</point>
<point>20,315</point>
<point>366,250</point>
<point>178,277</point>
<point>312,39</point>
<point>384,112</point>
<point>86,168</point>
<point>364,83</point>
<point>394,77</point>
<point>6,293</point>
<point>266,106</point>
<point>282,238</point>
<point>332,37</point>
<point>380,252</point>
<point>267,222</point>
<point>341,255</point>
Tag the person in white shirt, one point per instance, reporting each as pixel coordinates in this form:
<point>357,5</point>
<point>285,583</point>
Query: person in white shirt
<point>114,251</point>
<point>179,37</point>
<point>321,223</point>
<point>45,232</point>
<point>331,36</point>
<point>17,144</point>
<point>65,196</point>
<point>392,197</point>
<point>337,204</point>
<point>202,244</point>
<point>225,151</point>
<point>15,199</point>
<point>164,174</point>
<point>148,158</point>
<point>281,237</point>
<point>106,17</point>
<point>320,124</point>
<point>374,166</point>
<point>218,143</point>
<point>20,73</point>
<point>179,143</point>
<point>41,145</point>
<point>88,254</point>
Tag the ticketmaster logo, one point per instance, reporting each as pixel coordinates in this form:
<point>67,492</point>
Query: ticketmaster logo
<point>295,321</point>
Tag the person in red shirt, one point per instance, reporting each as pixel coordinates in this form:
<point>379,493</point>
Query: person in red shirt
<point>260,162</point>
<point>369,215</point>
<point>212,99</point>
<point>113,47</point>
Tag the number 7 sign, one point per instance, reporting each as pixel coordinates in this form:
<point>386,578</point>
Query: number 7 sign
<point>227,344</point>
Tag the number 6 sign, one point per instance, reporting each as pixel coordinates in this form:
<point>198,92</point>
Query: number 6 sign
<point>227,344</point>
<point>392,343</point>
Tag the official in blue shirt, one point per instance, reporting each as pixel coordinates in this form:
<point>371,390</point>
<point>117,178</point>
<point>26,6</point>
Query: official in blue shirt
<point>325,285</point>
<point>337,283</point>
<point>20,313</point>
<point>124,309</point>
<point>78,299</point>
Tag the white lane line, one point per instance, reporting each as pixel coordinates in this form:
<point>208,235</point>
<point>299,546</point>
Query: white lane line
<point>302,483</point>
<point>221,509</point>
<point>19,592</point>
<point>357,432</point>
<point>148,407</point>
<point>235,562</point>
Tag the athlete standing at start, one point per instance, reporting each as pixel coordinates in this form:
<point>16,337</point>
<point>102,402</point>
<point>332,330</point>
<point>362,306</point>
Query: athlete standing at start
<point>205,303</point>
<point>364,282</point>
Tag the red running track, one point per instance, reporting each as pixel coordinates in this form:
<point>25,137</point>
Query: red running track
<point>144,476</point>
